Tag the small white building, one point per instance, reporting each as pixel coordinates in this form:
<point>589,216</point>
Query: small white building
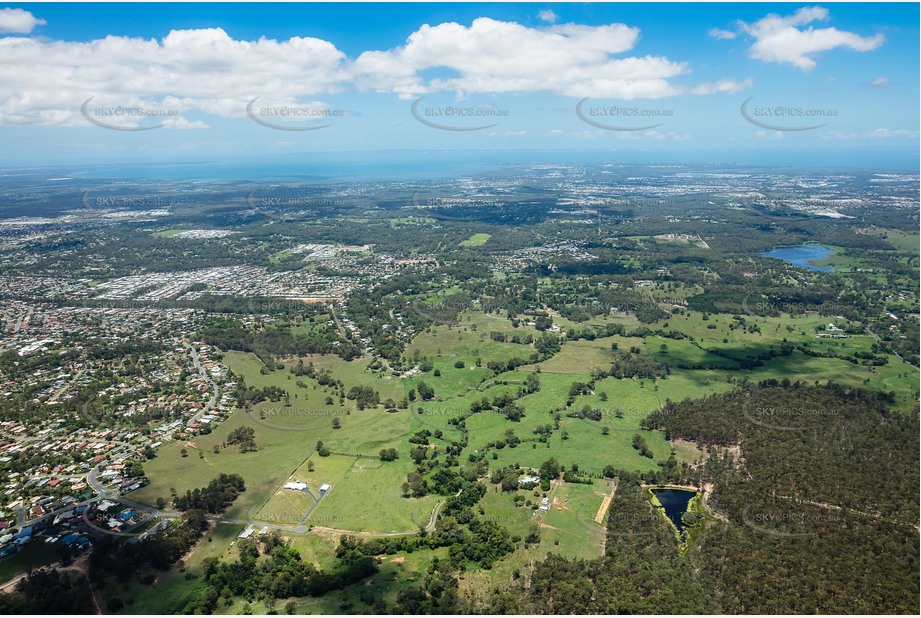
<point>295,485</point>
<point>324,488</point>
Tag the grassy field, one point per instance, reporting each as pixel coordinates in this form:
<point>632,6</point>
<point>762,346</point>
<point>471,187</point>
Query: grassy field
<point>903,241</point>
<point>477,240</point>
<point>369,499</point>
<point>366,493</point>
<point>567,529</point>
<point>279,454</point>
<point>168,233</point>
<point>580,357</point>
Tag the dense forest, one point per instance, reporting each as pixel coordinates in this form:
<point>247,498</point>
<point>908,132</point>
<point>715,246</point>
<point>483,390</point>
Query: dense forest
<point>814,496</point>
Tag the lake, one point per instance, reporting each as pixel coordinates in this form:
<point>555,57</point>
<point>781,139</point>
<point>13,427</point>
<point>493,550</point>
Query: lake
<point>803,256</point>
<point>675,502</point>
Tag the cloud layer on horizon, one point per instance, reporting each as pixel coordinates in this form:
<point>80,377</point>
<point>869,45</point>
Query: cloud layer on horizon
<point>45,81</point>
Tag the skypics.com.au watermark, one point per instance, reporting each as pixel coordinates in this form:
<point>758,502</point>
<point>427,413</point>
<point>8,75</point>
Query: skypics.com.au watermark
<point>137,521</point>
<point>274,416</point>
<point>621,118</point>
<point>788,523</point>
<point>133,202</point>
<point>292,116</point>
<point>292,202</point>
<point>780,117</point>
<point>457,117</point>
<point>789,417</point>
<point>126,117</point>
<point>439,206</point>
<point>755,306</point>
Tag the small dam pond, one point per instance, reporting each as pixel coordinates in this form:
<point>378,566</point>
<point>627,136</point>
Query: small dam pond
<point>675,502</point>
<point>803,256</point>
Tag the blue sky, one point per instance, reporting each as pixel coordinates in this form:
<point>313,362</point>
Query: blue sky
<point>828,83</point>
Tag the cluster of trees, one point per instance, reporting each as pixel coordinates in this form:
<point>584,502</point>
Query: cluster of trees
<point>248,396</point>
<point>324,377</point>
<point>436,595</point>
<point>215,497</point>
<point>639,443</point>
<point>626,365</point>
<point>48,591</point>
<point>426,392</point>
<point>501,337</point>
<point>245,437</point>
<point>231,334</point>
<point>270,569</point>
<point>363,396</point>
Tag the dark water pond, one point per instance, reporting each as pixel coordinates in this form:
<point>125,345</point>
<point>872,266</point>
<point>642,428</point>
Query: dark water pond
<point>675,502</point>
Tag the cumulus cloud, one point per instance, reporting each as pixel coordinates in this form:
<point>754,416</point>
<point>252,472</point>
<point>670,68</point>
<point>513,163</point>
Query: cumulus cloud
<point>18,21</point>
<point>548,16</point>
<point>787,40</point>
<point>719,33</point>
<point>205,70</point>
<point>495,57</point>
<point>881,82</point>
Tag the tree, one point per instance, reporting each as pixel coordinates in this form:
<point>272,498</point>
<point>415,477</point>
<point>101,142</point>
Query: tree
<point>550,469</point>
<point>425,391</point>
<point>336,422</point>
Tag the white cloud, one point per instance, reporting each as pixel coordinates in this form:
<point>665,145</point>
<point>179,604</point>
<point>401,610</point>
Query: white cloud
<point>44,81</point>
<point>632,136</point>
<point>780,39</point>
<point>18,21</point>
<point>881,82</point>
<point>723,86</point>
<point>548,16</point>
<point>886,133</point>
<point>495,56</point>
<point>507,133</point>
<point>881,133</point>
<point>719,33</point>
